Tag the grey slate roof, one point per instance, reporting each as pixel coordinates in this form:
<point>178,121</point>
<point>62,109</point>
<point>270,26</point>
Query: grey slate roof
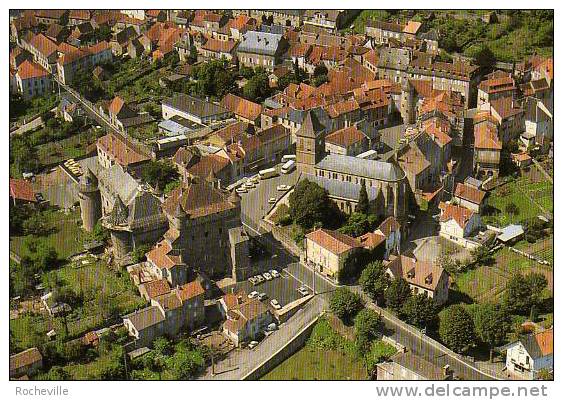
<point>259,43</point>
<point>342,190</point>
<point>193,105</point>
<point>145,318</point>
<point>373,169</point>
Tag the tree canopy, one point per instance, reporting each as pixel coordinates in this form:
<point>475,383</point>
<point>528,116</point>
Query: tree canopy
<point>397,293</point>
<point>373,280</point>
<point>420,311</point>
<point>457,329</point>
<point>309,205</point>
<point>524,292</point>
<point>345,304</point>
<point>367,326</point>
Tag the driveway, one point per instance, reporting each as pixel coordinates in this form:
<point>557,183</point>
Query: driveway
<point>433,247</point>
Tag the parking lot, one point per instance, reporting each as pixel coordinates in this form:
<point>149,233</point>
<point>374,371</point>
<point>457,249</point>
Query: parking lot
<point>283,289</point>
<point>254,203</point>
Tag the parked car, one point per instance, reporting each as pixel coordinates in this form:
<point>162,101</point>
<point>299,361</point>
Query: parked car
<point>252,344</point>
<point>262,296</point>
<point>272,200</point>
<point>275,304</point>
<point>253,294</point>
<point>249,184</point>
<point>274,273</point>
<point>241,190</point>
<point>259,278</point>
<point>252,280</point>
<point>303,290</point>
<point>267,276</point>
<point>272,327</point>
<point>283,188</point>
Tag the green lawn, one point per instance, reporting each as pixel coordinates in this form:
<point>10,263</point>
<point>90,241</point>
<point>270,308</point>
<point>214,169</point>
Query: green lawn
<point>89,281</point>
<point>317,364</point>
<point>66,238</point>
<point>72,147</point>
<point>326,356</point>
<point>527,194</point>
<point>487,283</point>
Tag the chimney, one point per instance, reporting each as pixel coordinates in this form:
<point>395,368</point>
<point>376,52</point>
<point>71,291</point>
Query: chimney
<point>446,372</point>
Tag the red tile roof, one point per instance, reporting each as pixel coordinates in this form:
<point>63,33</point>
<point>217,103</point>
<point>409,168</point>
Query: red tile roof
<point>190,290</point>
<point>156,288</point>
<point>25,358</point>
<point>416,272</point>
<point>486,136</point>
<point>371,240</point>
<point>124,152</point>
<point>219,46</point>
<point>210,162</point>
<point>21,190</point>
<point>333,241</point>
<point>460,214</point>
<point>469,193</point>
<point>43,45</point>
<point>241,107</point>
<point>29,70</point>
<point>160,257</point>
<point>545,342</point>
<point>345,137</point>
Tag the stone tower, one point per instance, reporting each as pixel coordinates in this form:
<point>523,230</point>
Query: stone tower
<point>310,147</point>
<point>408,100</point>
<point>117,223</point>
<point>90,200</point>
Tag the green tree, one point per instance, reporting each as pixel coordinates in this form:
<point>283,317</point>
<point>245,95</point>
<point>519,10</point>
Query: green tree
<point>45,256</point>
<point>22,278</point>
<point>139,254</point>
<point>420,311</point>
<point>359,224</point>
<point>56,373</point>
<point>512,209</point>
<point>345,304</point>
<point>485,57</point>
<point>363,201</point>
<point>457,330</point>
<point>374,280</point>
<point>482,256</point>
<point>257,88</point>
<point>367,326</point>
<point>492,324</point>
<point>309,204</point>
<point>523,292</point>
<point>162,346</point>
<point>159,173</point>
<point>379,351</point>
<point>397,293</point>
<point>185,364</point>
<point>36,224</point>
<point>100,233</point>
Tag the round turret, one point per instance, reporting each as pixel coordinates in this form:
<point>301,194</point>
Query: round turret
<point>90,200</point>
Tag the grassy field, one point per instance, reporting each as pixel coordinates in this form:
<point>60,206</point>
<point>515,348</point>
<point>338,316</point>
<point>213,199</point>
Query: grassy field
<point>66,238</point>
<point>317,364</point>
<point>487,283</point>
<point>88,281</point>
<point>72,147</point>
<point>326,356</point>
<point>531,193</point>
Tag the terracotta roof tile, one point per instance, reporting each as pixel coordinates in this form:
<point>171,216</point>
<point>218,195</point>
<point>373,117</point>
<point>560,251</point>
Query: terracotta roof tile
<point>460,214</point>
<point>242,107</point>
<point>25,358</point>
<point>469,193</point>
<point>333,241</point>
<point>29,70</point>
<point>160,257</point>
<point>190,290</point>
<point>22,190</point>
<point>121,149</point>
<point>345,137</point>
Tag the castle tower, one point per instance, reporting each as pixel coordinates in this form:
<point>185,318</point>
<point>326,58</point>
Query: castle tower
<point>90,200</point>
<point>408,106</point>
<point>120,233</point>
<point>310,147</point>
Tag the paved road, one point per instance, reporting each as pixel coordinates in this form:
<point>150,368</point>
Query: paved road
<point>88,107</point>
<point>254,204</point>
<point>240,362</point>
